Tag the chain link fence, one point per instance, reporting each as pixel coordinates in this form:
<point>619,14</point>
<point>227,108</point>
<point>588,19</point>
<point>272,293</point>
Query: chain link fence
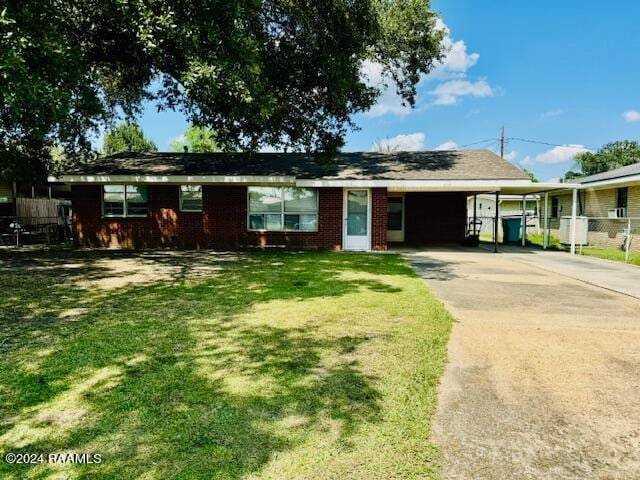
<point>612,237</point>
<point>616,238</point>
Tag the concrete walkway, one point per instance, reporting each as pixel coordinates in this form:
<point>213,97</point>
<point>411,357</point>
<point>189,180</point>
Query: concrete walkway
<point>543,379</point>
<point>616,276</point>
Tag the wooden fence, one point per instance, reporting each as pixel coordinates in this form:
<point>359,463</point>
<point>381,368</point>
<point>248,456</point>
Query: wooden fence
<point>39,211</point>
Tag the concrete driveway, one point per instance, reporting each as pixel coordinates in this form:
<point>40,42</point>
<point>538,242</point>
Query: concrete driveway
<point>543,379</point>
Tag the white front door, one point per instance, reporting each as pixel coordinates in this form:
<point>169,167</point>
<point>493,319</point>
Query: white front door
<point>357,219</point>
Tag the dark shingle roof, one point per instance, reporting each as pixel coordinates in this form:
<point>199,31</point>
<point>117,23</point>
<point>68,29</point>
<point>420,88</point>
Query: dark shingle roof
<point>633,169</point>
<point>436,165</point>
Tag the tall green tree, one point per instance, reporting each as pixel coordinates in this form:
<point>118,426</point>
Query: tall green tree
<point>196,139</point>
<point>285,73</point>
<point>608,157</point>
<point>126,137</point>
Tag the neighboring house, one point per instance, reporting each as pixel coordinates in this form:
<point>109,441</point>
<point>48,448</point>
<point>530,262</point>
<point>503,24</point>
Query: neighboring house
<point>359,201</point>
<point>510,206</point>
<point>610,199</point>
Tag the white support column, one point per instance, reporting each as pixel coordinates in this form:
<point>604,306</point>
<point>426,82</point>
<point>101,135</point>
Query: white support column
<point>545,225</point>
<point>524,220</point>
<point>574,214</point>
<point>495,223</point>
<point>475,214</point>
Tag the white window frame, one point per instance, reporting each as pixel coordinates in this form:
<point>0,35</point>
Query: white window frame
<point>124,202</point>
<point>182,209</point>
<point>282,211</point>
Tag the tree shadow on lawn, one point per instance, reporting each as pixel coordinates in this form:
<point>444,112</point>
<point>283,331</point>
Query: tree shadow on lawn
<point>171,380</point>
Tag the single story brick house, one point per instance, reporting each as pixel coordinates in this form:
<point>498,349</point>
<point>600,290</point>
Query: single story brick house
<point>358,201</point>
<point>610,200</point>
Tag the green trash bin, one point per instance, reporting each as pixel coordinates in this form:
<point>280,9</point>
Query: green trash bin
<point>511,227</point>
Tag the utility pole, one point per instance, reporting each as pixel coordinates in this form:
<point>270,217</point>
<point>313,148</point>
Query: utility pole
<point>502,143</point>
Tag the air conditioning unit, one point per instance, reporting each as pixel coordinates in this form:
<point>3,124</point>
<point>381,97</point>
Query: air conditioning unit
<point>617,212</point>
<point>582,228</point>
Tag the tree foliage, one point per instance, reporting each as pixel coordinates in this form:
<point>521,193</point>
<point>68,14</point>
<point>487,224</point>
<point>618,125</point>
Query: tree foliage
<point>196,139</point>
<point>531,175</point>
<point>126,137</point>
<point>608,157</point>
<point>269,72</point>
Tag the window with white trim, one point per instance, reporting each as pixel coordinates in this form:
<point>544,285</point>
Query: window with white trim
<point>124,201</point>
<point>283,209</point>
<point>191,198</point>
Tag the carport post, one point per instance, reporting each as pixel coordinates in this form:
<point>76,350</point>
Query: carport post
<point>545,228</point>
<point>574,214</point>
<point>495,223</point>
<point>475,213</point>
<point>524,220</point>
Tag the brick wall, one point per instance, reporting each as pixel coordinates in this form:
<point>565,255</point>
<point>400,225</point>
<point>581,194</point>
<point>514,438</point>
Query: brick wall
<point>435,217</point>
<point>378,218</point>
<point>222,224</point>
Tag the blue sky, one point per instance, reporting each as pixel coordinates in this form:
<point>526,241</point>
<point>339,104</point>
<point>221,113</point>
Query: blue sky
<point>559,72</point>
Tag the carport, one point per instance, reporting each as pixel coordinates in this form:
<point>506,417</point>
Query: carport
<point>424,212</point>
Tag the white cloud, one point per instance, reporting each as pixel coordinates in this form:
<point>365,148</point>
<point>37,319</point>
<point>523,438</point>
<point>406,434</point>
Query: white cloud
<point>456,60</point>
<point>270,149</point>
<point>411,142</point>
<point>553,113</point>
<point>511,156</point>
<point>389,102</point>
<point>556,155</point>
<point>448,93</point>
<point>180,139</point>
<point>452,70</point>
<point>553,180</point>
<point>449,145</point>
<point>631,116</point>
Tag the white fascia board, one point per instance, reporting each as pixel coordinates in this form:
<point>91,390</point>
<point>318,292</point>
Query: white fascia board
<point>181,179</point>
<point>417,185</point>
<point>613,182</point>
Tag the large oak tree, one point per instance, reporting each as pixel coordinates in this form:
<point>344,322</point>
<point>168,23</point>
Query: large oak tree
<point>285,73</point>
<point>610,156</point>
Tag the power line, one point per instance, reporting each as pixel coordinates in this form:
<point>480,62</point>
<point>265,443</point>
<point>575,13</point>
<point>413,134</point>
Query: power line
<point>542,143</point>
<point>507,140</point>
<point>478,142</point>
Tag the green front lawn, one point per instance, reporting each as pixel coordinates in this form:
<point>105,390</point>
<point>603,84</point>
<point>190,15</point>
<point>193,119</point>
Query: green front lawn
<point>194,365</point>
<point>590,251</point>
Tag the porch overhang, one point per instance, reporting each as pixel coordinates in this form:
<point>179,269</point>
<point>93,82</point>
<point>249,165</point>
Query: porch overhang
<point>507,187</point>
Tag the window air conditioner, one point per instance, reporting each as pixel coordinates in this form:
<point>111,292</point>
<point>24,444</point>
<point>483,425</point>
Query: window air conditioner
<point>617,212</point>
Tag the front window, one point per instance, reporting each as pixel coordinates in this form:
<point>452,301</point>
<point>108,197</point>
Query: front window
<point>394,213</point>
<point>555,207</point>
<point>622,197</point>
<point>191,198</point>
<point>124,201</point>
<point>283,209</point>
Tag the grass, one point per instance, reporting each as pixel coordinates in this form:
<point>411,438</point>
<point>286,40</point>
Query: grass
<point>267,365</point>
<point>590,251</point>
<point>610,254</point>
<point>538,240</point>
